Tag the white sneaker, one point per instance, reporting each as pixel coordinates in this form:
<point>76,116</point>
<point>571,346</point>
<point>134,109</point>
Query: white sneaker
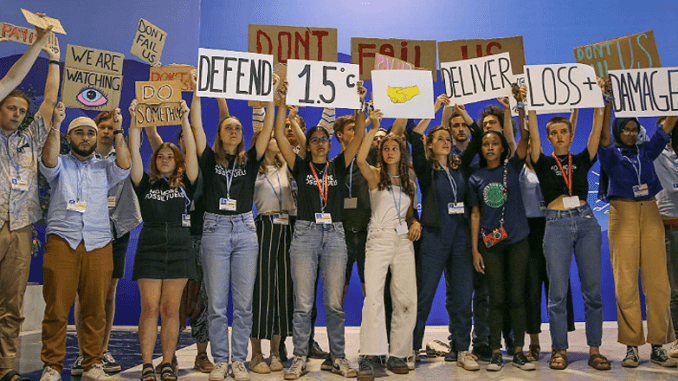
<point>49,374</point>
<point>96,373</point>
<point>412,361</point>
<point>467,361</point>
<point>297,369</point>
<point>342,367</point>
<point>673,352</point>
<point>219,372</point>
<point>240,372</point>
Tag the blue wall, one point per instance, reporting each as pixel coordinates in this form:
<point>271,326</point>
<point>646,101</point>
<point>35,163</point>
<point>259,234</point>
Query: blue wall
<point>550,31</point>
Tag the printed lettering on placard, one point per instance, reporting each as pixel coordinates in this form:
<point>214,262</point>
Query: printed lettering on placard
<point>235,75</point>
<point>645,92</point>
<point>322,84</point>
<point>477,79</point>
<point>562,86</point>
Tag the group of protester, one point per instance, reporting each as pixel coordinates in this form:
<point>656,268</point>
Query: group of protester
<point>498,217</point>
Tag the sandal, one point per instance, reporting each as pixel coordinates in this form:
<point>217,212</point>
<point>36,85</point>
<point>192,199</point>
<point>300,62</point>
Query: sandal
<point>147,373</point>
<point>558,360</point>
<point>10,376</point>
<point>599,362</point>
<point>167,373</point>
<point>175,365</point>
<point>534,353</point>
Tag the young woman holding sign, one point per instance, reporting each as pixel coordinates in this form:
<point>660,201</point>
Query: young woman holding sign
<point>570,225</point>
<point>318,239</point>
<point>636,235</point>
<point>162,264</point>
<point>229,238</point>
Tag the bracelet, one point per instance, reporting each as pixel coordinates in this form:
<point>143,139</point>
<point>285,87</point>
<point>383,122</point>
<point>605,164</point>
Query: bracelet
<point>120,131</point>
<point>52,128</point>
<point>607,98</point>
<point>54,62</point>
<point>520,105</point>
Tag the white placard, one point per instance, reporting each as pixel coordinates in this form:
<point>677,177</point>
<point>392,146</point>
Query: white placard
<point>645,92</point>
<point>557,87</point>
<point>520,81</point>
<point>477,79</point>
<point>403,93</point>
<point>322,84</point>
<point>235,75</point>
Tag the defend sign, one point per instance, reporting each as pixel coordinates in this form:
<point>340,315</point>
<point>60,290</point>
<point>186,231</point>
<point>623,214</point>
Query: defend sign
<point>322,84</point>
<point>563,86</point>
<point>235,75</point>
<point>477,79</point>
<point>645,92</point>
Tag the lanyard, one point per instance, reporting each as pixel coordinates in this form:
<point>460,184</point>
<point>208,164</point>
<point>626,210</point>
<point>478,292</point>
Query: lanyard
<point>277,195</point>
<point>183,191</point>
<point>78,164</point>
<point>638,170</point>
<point>9,154</point>
<point>568,179</point>
<point>453,184</point>
<point>350,180</point>
<point>229,180</point>
<point>399,203</point>
<point>323,193</point>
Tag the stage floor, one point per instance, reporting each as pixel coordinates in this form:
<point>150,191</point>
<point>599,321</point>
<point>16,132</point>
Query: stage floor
<point>125,348</point>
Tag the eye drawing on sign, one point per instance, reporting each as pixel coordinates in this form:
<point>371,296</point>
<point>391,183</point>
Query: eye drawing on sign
<point>402,94</point>
<point>91,97</point>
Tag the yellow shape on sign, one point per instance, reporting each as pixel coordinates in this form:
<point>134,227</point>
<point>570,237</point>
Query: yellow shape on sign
<point>402,94</point>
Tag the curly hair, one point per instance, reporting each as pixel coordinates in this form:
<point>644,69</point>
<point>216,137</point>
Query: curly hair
<point>493,110</point>
<point>174,180</point>
<point>403,167</point>
<point>220,151</point>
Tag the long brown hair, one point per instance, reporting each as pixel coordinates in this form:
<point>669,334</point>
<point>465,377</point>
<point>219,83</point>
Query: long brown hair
<point>453,161</point>
<point>174,180</point>
<point>220,151</point>
<point>279,160</point>
<point>403,167</point>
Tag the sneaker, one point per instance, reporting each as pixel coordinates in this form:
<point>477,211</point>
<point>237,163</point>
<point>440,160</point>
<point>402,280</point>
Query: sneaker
<point>482,351</point>
<point>275,363</point>
<point>397,365</point>
<point>673,352</point>
<point>365,369</point>
<point>49,374</point>
<point>660,357</point>
<point>437,348</point>
<point>521,362</point>
<point>203,363</point>
<point>327,364</point>
<point>297,369</point>
<point>496,363</point>
<point>315,352</point>
<point>96,373</point>
<point>631,360</point>
<point>467,361</point>
<point>412,360</point>
<point>451,356</point>
<point>110,365</point>
<point>219,372</point>
<point>258,365</point>
<point>240,372</point>
<point>76,368</point>
<point>342,367</point>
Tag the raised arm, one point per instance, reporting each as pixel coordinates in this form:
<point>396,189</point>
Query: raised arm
<point>189,144</point>
<point>359,134</point>
<point>669,124</point>
<point>223,109</point>
<point>370,173</point>
<point>122,155</point>
<point>508,124</point>
<point>50,151</point>
<point>296,128</point>
<point>153,137</point>
<point>265,135</point>
<point>196,118</point>
<point>606,133</point>
<point>279,133</point>
<point>398,127</point>
<point>442,100</point>
<point>52,85</point>
<point>574,117</point>
<point>137,170</point>
<point>23,65</point>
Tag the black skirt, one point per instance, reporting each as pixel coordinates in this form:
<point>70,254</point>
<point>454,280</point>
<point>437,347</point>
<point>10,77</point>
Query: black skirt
<point>164,252</point>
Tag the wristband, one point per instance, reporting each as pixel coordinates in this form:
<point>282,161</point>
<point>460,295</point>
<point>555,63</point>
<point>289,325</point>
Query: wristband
<point>520,105</point>
<point>607,98</point>
<point>54,62</point>
<point>120,131</point>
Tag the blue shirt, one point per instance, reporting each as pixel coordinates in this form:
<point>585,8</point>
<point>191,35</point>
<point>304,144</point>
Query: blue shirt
<point>624,168</point>
<point>89,181</point>
<point>666,166</point>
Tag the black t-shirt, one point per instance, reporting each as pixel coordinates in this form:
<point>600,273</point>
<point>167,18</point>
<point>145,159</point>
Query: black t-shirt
<point>551,179</point>
<point>160,203</point>
<point>359,217</point>
<point>242,185</point>
<point>309,194</point>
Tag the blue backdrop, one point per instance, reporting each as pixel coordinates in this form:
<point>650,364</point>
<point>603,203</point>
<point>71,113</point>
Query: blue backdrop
<point>550,30</point>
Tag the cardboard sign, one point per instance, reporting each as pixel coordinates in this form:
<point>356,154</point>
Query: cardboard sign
<point>645,92</point>
<point>636,51</point>
<point>322,84</point>
<point>43,22</point>
<point>151,92</point>
<point>562,86</point>
<point>148,42</point>
<point>235,75</point>
<point>163,114</point>
<point>291,42</point>
<point>364,50</point>
<point>20,34</point>
<point>403,95</point>
<point>382,62</point>
<point>477,79</point>
<point>92,78</point>
<point>449,51</point>
<point>173,72</point>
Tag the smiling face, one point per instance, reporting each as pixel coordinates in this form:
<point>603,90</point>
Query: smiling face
<point>165,162</point>
<point>441,143</point>
<point>629,133</point>
<point>12,113</point>
<point>390,151</point>
<point>491,148</point>
<point>560,136</point>
<point>230,133</point>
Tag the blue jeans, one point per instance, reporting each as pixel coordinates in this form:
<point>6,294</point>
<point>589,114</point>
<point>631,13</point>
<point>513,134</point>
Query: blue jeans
<point>566,230</point>
<point>316,245</point>
<point>229,258</point>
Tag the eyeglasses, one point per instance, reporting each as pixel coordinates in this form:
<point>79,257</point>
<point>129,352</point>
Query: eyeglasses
<point>629,132</point>
<point>319,140</point>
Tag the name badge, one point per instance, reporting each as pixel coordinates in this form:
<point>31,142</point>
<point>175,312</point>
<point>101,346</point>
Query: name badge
<point>281,218</point>
<point>640,190</point>
<point>111,201</point>
<point>542,206</point>
<point>571,202</point>
<point>323,218</point>
<point>20,185</point>
<point>455,208</point>
<point>401,228</point>
<point>227,204</point>
<point>350,203</point>
<point>186,220</point>
<point>675,186</point>
<point>77,206</point>
<point>293,186</point>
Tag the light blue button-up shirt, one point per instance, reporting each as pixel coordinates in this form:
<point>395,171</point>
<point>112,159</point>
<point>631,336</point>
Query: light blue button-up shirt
<point>89,181</point>
<point>666,166</point>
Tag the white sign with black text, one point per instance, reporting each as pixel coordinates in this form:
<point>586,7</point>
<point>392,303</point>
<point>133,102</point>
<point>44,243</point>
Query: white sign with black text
<point>235,75</point>
<point>322,84</point>
<point>477,79</point>
<point>562,86</point>
<point>645,92</point>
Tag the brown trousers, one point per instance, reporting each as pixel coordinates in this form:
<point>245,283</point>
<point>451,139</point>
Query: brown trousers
<point>68,273</point>
<point>15,265</point>
<point>636,236</point>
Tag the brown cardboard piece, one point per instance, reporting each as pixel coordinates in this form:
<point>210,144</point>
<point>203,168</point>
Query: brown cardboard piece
<point>92,78</point>
<point>43,22</point>
<point>163,114</point>
<point>285,42</point>
<point>156,92</point>
<point>382,62</point>
<point>457,50</point>
<point>174,72</point>
<point>421,53</point>
<point>637,51</point>
<point>20,34</point>
<point>148,42</point>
